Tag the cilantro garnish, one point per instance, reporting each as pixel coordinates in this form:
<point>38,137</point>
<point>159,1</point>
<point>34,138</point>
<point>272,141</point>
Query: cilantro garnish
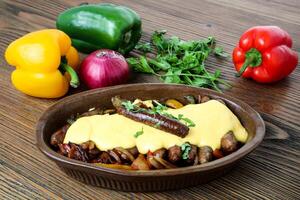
<point>179,61</point>
<point>185,148</point>
<point>138,133</point>
<point>144,47</point>
<point>129,106</point>
<point>187,121</point>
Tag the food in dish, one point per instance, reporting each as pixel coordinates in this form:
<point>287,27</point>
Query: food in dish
<point>152,134</point>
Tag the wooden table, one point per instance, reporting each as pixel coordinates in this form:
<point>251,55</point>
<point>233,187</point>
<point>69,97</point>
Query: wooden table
<point>270,172</point>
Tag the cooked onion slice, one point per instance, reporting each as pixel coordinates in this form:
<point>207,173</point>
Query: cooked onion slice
<point>115,156</point>
<point>125,154</point>
<point>165,163</point>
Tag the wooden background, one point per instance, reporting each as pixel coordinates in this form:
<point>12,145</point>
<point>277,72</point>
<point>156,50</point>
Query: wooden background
<point>270,172</point>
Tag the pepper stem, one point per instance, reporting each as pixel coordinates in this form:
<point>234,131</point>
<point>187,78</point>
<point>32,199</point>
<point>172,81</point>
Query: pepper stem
<point>74,82</point>
<point>253,59</point>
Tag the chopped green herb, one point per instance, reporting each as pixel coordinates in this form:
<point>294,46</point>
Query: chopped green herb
<point>144,47</point>
<point>179,61</point>
<point>187,121</point>
<point>185,148</point>
<point>138,133</point>
<point>219,51</point>
<point>128,105</point>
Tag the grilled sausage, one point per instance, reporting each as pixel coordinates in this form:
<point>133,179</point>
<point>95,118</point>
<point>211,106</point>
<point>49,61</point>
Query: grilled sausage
<point>174,154</point>
<point>159,121</point>
<point>192,155</point>
<point>155,120</point>
<point>205,154</point>
<point>229,143</point>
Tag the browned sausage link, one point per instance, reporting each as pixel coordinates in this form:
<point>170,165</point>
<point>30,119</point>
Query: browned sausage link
<point>157,121</point>
<point>174,154</point>
<point>229,142</point>
<point>192,155</point>
<point>205,154</point>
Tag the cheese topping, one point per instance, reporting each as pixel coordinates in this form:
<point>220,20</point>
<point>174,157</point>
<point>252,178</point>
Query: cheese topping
<point>212,120</point>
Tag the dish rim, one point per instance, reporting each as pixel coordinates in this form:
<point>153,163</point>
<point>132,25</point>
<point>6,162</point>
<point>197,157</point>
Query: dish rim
<point>229,159</point>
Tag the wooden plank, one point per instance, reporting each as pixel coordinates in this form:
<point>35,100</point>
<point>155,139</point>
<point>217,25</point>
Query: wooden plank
<point>15,186</point>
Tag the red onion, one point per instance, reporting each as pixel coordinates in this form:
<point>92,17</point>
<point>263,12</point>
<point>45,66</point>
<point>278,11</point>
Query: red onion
<point>104,68</point>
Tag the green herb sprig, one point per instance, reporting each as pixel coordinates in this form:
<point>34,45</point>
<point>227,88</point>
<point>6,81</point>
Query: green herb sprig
<point>179,61</point>
<point>185,148</point>
<point>138,133</point>
<point>187,121</point>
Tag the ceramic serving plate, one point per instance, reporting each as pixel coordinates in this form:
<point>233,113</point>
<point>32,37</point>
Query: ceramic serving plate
<point>152,180</point>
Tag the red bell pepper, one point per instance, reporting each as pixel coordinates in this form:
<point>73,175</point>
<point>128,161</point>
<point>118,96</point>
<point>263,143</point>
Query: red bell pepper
<point>264,54</point>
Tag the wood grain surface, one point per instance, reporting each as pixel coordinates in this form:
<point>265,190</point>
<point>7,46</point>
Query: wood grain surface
<point>270,172</point>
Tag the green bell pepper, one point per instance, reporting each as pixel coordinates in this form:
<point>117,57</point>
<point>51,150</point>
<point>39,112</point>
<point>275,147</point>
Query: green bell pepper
<point>99,26</point>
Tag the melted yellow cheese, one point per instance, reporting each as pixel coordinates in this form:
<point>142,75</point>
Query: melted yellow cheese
<point>212,119</point>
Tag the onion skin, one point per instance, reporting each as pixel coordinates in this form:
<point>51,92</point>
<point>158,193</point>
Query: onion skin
<point>103,68</point>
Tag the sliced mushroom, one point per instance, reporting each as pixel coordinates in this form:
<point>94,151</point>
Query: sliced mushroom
<point>109,111</point>
<point>92,111</point>
<point>134,151</point>
<point>205,154</point>
<point>140,163</point>
<point>114,156</point>
<point>143,104</point>
<point>199,98</point>
<point>124,154</point>
<point>229,143</point>
<point>165,163</point>
<point>190,99</point>
<point>104,157</point>
<point>153,162</point>
<point>64,149</point>
<point>77,153</point>
<point>58,137</point>
<point>205,99</point>
<point>88,145</point>
<point>162,153</point>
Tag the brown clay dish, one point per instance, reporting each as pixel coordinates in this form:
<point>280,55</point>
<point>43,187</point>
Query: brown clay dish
<point>152,180</point>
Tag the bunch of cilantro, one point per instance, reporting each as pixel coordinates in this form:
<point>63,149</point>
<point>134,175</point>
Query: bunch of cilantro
<point>179,61</point>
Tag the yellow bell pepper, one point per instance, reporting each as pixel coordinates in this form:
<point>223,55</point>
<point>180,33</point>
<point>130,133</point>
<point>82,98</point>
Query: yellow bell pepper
<point>42,59</point>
